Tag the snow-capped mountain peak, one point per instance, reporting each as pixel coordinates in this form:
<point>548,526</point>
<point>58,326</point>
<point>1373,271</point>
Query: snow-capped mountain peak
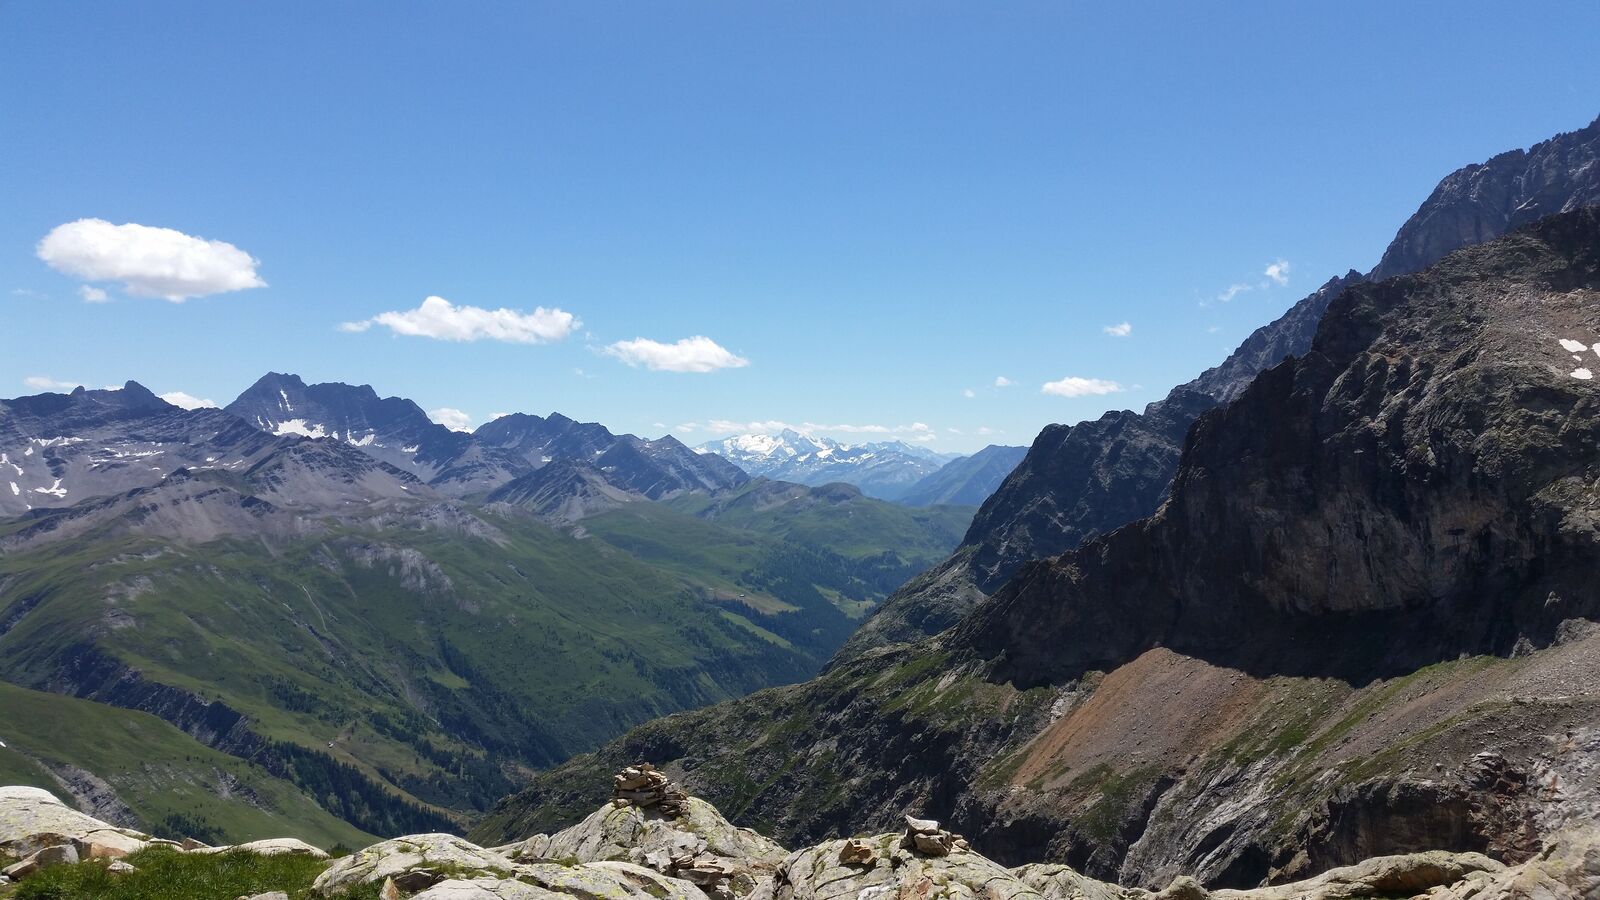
<point>883,470</point>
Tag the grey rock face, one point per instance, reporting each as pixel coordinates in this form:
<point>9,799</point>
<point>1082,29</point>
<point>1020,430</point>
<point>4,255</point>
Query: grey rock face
<point>1080,481</point>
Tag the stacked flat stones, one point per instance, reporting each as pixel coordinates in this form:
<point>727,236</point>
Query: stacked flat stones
<point>926,837</point>
<point>645,786</point>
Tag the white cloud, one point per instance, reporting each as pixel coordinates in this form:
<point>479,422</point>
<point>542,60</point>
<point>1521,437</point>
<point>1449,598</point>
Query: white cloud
<point>442,320</point>
<point>1232,291</point>
<point>186,400</point>
<point>953,430</point>
<point>692,354</point>
<point>149,262</point>
<point>1122,330</point>
<point>91,294</point>
<point>1278,272</point>
<point>969,393</point>
<point>498,415</point>
<point>1073,386</point>
<point>1003,382</point>
<point>46,383</point>
<point>688,427</point>
<point>986,430</point>
<point>451,418</point>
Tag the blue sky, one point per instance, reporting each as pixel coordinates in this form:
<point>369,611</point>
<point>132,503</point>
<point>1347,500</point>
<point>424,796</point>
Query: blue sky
<point>877,208</point>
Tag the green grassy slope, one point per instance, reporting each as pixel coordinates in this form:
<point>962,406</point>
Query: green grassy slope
<point>424,657</point>
<point>409,663</point>
<point>171,784</point>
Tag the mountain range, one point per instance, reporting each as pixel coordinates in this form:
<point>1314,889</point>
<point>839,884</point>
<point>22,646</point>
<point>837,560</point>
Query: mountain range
<point>888,470</point>
<point>398,620</point>
<point>1301,612</point>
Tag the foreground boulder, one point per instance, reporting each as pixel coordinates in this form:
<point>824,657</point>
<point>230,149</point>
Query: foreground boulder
<point>32,819</point>
<point>396,857</point>
<point>884,868</point>
<point>592,881</point>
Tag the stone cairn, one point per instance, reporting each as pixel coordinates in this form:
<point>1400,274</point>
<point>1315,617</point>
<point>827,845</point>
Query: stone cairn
<point>926,837</point>
<point>645,786</point>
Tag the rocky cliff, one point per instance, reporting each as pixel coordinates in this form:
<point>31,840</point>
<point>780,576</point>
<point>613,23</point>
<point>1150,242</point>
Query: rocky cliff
<point>1080,481</point>
<point>1363,623</point>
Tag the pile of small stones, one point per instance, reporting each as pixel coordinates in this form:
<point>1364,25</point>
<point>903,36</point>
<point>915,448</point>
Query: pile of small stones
<point>644,785</point>
<point>926,837</point>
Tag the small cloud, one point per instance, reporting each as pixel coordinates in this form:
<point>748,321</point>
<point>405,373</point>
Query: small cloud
<point>582,374</point>
<point>92,294</point>
<point>953,430</point>
<point>986,430</point>
<point>1122,330</point>
<point>688,427</point>
<point>1073,386</point>
<point>442,320</point>
<point>1232,291</point>
<point>148,261</point>
<point>498,415</point>
<point>658,425</point>
<point>451,418</point>
<point>969,393</point>
<point>1278,272</point>
<point>1213,329</point>
<point>1003,382</point>
<point>25,292</point>
<point>46,383</point>
<point>692,354</point>
<point>187,400</point>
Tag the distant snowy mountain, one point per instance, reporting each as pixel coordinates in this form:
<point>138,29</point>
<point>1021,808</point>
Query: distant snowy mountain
<point>884,469</point>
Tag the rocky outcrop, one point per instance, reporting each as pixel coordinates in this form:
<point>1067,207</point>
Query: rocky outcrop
<point>396,858</point>
<point>652,823</point>
<point>32,819</point>
<point>1084,480</point>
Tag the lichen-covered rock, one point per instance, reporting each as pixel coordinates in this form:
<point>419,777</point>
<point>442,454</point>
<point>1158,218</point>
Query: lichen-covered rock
<point>628,832</point>
<point>609,880</point>
<point>548,881</point>
<point>693,842</point>
<point>32,819</point>
<point>1058,882</point>
<point>896,873</point>
<point>266,847</point>
<point>403,854</point>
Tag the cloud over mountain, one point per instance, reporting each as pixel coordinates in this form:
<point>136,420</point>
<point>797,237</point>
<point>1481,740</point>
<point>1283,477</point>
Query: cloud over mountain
<point>692,354</point>
<point>442,320</point>
<point>1073,386</point>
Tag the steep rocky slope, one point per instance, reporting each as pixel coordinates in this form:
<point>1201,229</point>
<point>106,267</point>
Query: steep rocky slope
<point>1365,622</point>
<point>1080,481</point>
